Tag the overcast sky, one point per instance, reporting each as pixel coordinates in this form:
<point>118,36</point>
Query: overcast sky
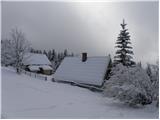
<point>91,27</point>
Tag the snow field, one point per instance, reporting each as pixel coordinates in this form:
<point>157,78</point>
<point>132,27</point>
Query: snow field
<point>27,97</point>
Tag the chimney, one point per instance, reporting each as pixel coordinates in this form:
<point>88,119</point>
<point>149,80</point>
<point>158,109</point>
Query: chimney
<point>84,57</point>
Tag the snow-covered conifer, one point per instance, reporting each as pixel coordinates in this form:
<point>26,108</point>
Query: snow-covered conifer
<point>49,55</point>
<point>53,55</point>
<point>65,53</point>
<point>124,52</point>
<point>44,52</point>
<point>148,70</point>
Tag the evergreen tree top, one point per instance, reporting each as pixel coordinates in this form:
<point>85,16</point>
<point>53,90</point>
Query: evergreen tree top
<point>123,24</point>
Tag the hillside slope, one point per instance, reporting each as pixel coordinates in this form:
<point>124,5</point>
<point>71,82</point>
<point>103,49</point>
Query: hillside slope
<point>27,97</point>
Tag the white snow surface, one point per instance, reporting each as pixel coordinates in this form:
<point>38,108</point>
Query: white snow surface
<point>37,67</point>
<point>27,97</point>
<point>46,67</point>
<point>36,59</point>
<point>34,68</point>
<point>91,71</point>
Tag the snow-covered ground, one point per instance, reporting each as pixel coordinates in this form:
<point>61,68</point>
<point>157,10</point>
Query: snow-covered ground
<point>27,97</point>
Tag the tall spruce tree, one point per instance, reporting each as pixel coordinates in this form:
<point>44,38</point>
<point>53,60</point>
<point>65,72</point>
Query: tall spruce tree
<point>124,50</point>
<point>65,53</point>
<point>49,55</point>
<point>53,55</point>
<point>44,52</point>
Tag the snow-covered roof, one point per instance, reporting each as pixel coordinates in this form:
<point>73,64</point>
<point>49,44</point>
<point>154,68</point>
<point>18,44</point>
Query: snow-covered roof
<point>34,68</point>
<point>37,67</point>
<point>91,71</point>
<point>46,67</point>
<point>36,59</point>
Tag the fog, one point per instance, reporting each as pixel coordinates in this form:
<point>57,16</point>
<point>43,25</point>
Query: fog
<point>91,27</point>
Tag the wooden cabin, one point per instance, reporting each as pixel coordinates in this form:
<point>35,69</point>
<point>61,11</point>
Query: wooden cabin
<point>37,63</point>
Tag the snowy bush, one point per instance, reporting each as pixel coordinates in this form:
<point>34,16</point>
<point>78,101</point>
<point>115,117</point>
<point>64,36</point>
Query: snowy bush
<point>153,73</point>
<point>129,84</point>
<point>6,58</point>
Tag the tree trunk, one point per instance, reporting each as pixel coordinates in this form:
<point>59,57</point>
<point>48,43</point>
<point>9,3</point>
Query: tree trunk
<point>18,71</point>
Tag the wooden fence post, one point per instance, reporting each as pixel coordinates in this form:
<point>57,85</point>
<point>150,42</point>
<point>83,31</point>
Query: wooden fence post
<point>45,78</point>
